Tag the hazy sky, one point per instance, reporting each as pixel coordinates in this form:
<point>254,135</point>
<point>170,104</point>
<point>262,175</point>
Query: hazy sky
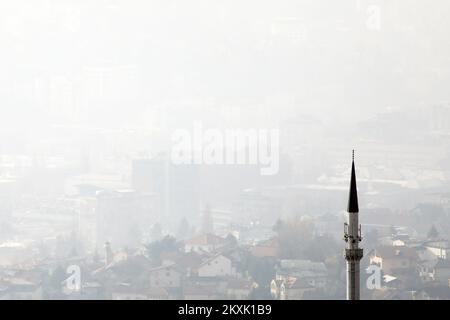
<point>326,58</point>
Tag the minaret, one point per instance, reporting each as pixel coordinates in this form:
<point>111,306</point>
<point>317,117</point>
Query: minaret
<point>352,236</point>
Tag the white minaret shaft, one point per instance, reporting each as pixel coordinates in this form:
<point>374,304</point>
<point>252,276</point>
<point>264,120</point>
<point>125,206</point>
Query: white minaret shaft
<point>352,236</point>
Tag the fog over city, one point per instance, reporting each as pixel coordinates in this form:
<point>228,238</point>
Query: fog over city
<point>202,149</point>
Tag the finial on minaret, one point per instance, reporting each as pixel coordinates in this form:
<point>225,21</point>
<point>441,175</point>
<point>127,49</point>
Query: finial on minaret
<point>353,155</point>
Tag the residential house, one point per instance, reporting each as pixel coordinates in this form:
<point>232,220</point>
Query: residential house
<point>266,248</point>
<point>313,273</point>
<point>205,243</point>
<point>92,290</point>
<point>441,271</point>
<point>389,293</point>
<point>167,276</point>
<point>20,289</point>
<point>295,289</point>
<point>213,285</point>
<point>193,292</point>
<point>158,294</point>
<point>440,248</point>
<point>216,266</point>
<point>394,260</point>
<point>187,263</point>
<point>125,291</point>
<point>440,292</point>
<point>240,289</point>
<point>275,286</point>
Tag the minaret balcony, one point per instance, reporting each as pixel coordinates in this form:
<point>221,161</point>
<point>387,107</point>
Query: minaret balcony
<point>353,254</point>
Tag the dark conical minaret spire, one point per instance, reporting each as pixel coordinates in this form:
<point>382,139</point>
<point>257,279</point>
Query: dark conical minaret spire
<point>353,194</point>
<point>352,236</point>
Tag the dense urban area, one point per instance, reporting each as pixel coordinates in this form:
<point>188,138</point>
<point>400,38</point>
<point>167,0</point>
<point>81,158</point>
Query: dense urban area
<point>92,205</point>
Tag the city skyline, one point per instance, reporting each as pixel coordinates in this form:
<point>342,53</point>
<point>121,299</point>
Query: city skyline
<point>174,150</point>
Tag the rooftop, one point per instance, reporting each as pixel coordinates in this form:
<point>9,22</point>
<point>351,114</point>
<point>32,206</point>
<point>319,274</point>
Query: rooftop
<point>391,252</point>
<point>205,239</point>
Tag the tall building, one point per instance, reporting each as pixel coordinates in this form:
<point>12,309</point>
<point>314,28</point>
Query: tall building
<point>176,186</point>
<point>352,236</point>
<point>123,216</point>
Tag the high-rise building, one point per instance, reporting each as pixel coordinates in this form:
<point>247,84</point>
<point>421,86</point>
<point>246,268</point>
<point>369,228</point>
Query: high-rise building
<point>123,216</point>
<point>176,186</point>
